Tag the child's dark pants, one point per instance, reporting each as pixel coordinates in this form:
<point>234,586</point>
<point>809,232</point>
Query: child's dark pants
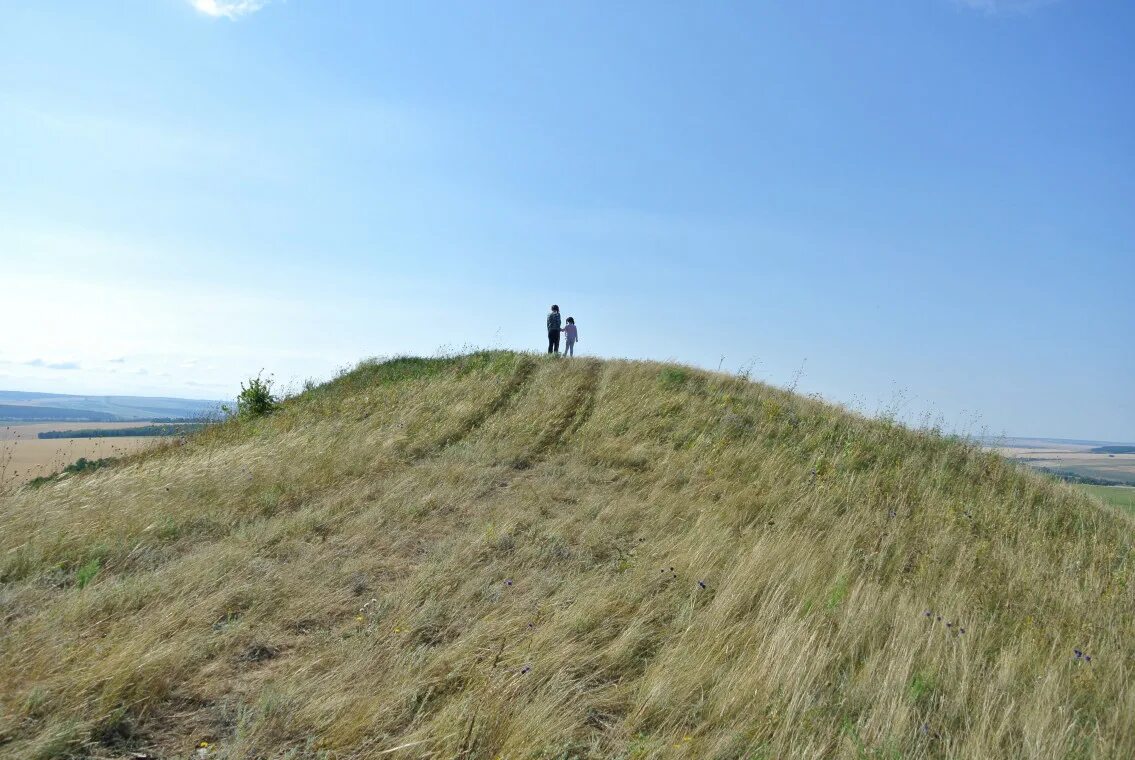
<point>553,341</point>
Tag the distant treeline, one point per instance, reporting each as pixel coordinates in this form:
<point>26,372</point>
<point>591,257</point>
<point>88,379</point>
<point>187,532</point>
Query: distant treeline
<point>1071,477</point>
<point>145,430</point>
<point>1114,450</point>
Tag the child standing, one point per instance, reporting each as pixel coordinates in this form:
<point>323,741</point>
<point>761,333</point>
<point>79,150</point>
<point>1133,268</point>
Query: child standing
<point>572,335</point>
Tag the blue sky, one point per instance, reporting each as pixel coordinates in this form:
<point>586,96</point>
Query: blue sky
<point>924,204</point>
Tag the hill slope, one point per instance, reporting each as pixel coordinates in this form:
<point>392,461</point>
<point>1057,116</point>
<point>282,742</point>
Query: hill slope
<point>500,555</point>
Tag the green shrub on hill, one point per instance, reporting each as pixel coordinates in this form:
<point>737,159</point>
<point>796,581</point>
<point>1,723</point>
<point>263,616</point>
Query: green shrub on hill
<point>82,464</point>
<point>256,399</point>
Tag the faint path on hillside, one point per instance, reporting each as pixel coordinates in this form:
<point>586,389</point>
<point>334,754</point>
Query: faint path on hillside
<point>579,408</point>
<point>525,370</point>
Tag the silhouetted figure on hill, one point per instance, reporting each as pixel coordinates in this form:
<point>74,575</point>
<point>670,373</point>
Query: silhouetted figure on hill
<point>554,330</point>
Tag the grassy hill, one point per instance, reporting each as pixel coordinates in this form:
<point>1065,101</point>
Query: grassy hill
<point>505,556</point>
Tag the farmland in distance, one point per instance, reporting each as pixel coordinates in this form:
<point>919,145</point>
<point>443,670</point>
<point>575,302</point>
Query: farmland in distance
<point>24,456</point>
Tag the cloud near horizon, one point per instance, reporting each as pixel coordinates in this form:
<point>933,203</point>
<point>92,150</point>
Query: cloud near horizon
<point>230,9</point>
<point>52,365</point>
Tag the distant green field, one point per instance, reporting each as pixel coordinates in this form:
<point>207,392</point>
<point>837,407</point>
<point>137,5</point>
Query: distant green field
<point>1119,496</point>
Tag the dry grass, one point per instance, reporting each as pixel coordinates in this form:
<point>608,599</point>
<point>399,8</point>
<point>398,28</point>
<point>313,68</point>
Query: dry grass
<point>499,555</point>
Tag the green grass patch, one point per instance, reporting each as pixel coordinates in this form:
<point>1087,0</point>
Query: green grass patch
<point>673,377</point>
<point>402,369</point>
<point>1118,496</point>
<point>87,572</point>
<point>837,593</point>
<point>922,687</point>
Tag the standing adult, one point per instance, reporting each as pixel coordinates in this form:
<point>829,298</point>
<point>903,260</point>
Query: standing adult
<point>554,330</point>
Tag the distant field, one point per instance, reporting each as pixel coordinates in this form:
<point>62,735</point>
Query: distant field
<point>1074,459</point>
<point>1119,496</point>
<point>23,456</point>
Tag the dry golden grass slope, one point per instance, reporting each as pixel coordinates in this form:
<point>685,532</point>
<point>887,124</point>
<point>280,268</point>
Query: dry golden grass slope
<point>504,556</point>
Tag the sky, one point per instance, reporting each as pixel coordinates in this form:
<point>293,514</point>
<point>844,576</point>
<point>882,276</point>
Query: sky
<point>918,207</point>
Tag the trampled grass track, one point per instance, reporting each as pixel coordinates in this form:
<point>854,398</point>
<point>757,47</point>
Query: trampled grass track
<point>521,375</point>
<point>573,412</point>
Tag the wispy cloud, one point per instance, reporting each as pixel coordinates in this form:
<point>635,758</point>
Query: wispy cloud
<point>230,9</point>
<point>992,7</point>
<point>51,365</point>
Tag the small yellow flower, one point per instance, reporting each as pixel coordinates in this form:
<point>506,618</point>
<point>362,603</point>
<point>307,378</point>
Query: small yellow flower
<point>358,617</point>
<point>203,745</point>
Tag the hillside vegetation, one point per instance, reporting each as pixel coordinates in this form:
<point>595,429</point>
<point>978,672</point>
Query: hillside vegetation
<point>505,556</point>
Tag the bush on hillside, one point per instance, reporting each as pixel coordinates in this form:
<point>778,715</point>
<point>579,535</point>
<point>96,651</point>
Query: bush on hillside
<point>256,399</point>
<point>82,464</point>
